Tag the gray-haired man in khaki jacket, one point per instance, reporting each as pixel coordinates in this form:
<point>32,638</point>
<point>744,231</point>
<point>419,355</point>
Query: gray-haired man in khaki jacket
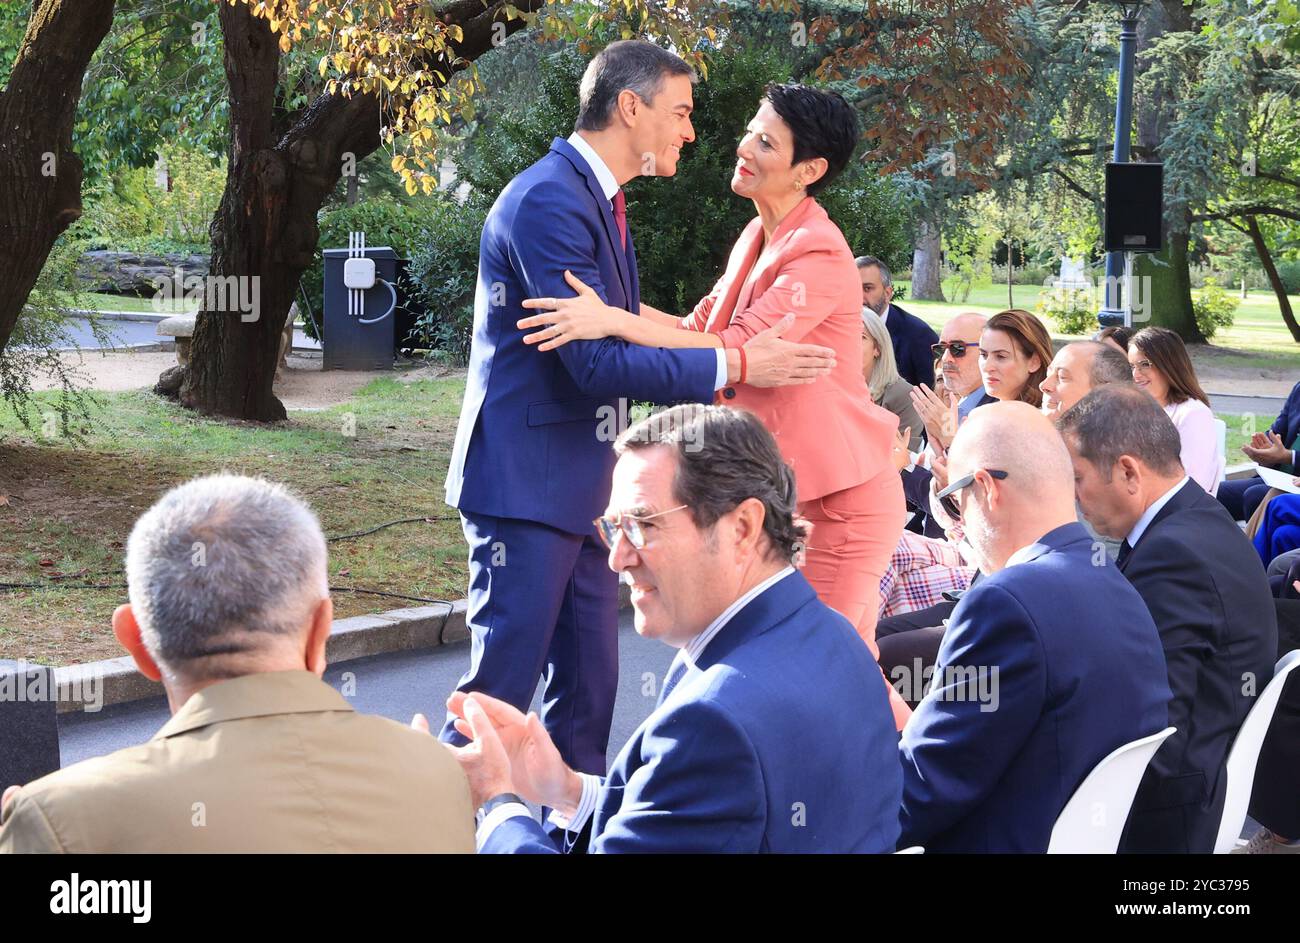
<point>230,609</point>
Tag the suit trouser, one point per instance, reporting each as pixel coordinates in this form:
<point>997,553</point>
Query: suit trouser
<point>1280,530</point>
<point>854,533</point>
<point>541,598</point>
<point>909,644</point>
<point>1241,496</point>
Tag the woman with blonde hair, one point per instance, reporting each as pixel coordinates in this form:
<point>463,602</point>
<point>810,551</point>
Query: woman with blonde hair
<point>886,385</point>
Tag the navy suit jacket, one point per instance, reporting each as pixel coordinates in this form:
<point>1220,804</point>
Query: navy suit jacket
<point>779,739</point>
<point>1287,423</point>
<point>1079,673</point>
<point>536,429</point>
<point>1210,599</point>
<point>912,338</point>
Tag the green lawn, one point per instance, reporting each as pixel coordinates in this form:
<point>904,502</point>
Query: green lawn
<point>67,510</point>
<point>100,301</point>
<point>1258,326</point>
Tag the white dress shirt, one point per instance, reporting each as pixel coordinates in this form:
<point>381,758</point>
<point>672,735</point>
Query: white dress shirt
<point>609,186</point>
<point>685,660</point>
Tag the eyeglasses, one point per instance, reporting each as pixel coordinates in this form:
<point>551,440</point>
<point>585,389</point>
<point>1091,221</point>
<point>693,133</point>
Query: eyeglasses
<point>1142,366</point>
<point>958,348</point>
<point>608,527</point>
<point>947,497</point>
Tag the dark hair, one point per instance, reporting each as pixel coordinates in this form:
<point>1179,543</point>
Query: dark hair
<point>1120,335</point>
<point>1108,365</point>
<point>1168,354</point>
<point>867,261</point>
<point>1120,419</point>
<point>822,124</point>
<point>1027,333</point>
<point>724,456</point>
<point>632,64</point>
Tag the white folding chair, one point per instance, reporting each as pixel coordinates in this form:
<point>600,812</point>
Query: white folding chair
<point>1244,754</point>
<point>1221,431</point>
<point>1093,820</point>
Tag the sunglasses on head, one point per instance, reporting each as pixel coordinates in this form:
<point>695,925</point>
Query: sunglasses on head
<point>948,496</point>
<point>958,348</point>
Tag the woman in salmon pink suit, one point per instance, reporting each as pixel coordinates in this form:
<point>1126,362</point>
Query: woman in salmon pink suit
<point>790,264</point>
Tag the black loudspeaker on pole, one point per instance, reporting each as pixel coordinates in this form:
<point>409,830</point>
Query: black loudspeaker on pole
<point>1134,207</point>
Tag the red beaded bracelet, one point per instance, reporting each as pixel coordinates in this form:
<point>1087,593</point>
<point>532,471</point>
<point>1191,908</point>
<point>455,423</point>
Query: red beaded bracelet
<point>742,364</point>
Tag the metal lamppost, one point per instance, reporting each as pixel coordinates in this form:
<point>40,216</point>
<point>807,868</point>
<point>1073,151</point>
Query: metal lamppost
<point>1116,310</point>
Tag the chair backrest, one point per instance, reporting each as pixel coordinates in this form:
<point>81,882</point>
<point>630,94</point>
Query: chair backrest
<point>1245,753</point>
<point>1221,431</point>
<point>1093,820</point>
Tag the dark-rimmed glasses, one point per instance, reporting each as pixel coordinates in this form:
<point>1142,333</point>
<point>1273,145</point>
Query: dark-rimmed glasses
<point>608,527</point>
<point>947,497</point>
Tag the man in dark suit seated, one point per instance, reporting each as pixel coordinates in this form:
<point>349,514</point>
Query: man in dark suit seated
<point>772,731</point>
<point>1049,663</point>
<point>1206,590</point>
<point>911,336</point>
<point>1275,448</point>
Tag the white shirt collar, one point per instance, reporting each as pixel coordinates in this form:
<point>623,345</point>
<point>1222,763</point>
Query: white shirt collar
<point>693,649</point>
<point>1150,513</point>
<point>604,176</point>
<point>1020,556</point>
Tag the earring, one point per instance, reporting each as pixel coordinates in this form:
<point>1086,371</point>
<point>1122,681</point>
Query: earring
<point>798,185</point>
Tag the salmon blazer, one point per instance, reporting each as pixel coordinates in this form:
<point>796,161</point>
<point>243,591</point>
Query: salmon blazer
<point>831,433</point>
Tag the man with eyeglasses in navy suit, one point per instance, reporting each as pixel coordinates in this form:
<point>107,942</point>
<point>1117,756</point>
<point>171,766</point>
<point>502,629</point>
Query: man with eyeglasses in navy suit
<point>771,732</point>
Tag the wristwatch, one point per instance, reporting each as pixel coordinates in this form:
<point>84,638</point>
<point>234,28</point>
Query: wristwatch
<point>497,800</point>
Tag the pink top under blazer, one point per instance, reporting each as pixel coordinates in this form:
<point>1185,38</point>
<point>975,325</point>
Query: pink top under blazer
<point>830,432</point>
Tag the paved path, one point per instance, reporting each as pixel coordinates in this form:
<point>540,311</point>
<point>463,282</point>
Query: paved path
<point>396,685</point>
<point>1264,408</point>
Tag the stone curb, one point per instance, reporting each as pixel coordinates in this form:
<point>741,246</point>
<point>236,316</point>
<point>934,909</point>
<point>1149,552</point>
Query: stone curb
<point>397,630</point>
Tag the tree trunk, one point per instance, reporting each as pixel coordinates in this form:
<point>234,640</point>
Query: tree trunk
<point>1164,287</point>
<point>40,175</point>
<point>265,227</point>
<point>1266,259</point>
<point>926,279</point>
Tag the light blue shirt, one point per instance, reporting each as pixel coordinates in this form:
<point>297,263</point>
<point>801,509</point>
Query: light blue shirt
<point>609,186</point>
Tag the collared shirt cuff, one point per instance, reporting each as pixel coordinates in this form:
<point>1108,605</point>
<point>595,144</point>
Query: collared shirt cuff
<point>507,810</point>
<point>720,378</point>
<point>586,805</point>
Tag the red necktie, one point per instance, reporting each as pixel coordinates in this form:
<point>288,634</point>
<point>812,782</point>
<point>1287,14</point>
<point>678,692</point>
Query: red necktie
<point>620,216</point>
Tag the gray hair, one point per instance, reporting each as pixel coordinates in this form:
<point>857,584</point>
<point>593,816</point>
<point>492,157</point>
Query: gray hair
<point>217,561</point>
<point>632,64</point>
<point>724,457</point>
<point>883,371</point>
<point>1120,419</point>
<point>866,261</point>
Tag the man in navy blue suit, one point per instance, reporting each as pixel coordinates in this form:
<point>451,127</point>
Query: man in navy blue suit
<point>1275,448</point>
<point>1049,663</point>
<point>771,732</point>
<point>530,467</point>
<point>1206,590</point>
<point>912,337</point>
